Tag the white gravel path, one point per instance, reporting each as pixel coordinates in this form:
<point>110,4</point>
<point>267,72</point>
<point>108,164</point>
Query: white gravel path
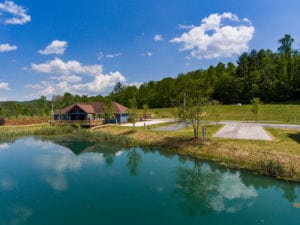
<point>147,122</point>
<point>243,131</point>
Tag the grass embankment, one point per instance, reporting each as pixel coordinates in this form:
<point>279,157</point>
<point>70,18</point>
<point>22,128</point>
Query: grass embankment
<point>270,113</point>
<point>279,158</point>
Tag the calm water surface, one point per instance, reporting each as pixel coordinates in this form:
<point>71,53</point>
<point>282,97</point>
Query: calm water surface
<point>73,181</point>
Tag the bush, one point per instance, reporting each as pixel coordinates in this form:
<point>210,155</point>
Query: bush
<point>2,121</point>
<point>275,168</point>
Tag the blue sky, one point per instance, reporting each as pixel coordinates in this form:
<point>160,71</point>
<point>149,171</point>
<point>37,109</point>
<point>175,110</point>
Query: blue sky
<point>50,47</point>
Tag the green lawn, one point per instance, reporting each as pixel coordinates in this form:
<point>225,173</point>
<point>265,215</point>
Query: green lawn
<point>272,113</point>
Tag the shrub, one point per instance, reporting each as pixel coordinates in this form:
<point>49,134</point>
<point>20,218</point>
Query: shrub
<point>2,121</point>
<point>272,168</point>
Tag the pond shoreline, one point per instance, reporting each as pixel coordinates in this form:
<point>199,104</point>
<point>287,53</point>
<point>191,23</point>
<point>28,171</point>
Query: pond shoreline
<point>256,156</point>
<point>278,158</point>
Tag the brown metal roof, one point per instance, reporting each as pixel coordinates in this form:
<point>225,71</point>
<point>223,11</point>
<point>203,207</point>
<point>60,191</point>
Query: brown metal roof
<point>119,108</point>
<point>91,108</point>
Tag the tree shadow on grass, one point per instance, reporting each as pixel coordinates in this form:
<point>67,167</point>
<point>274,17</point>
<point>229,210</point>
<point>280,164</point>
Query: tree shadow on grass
<point>295,137</point>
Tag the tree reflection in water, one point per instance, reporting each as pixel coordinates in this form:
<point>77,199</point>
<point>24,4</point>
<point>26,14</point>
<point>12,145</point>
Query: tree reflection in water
<point>194,187</point>
<point>134,160</point>
<point>203,189</point>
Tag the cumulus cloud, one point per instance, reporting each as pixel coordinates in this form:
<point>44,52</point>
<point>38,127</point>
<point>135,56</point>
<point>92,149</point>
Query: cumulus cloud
<point>7,47</point>
<point>55,47</point>
<point>58,66</point>
<point>158,37</point>
<point>19,13</point>
<point>73,77</point>
<point>4,86</point>
<point>185,27</point>
<point>102,82</point>
<point>219,35</point>
<point>68,78</point>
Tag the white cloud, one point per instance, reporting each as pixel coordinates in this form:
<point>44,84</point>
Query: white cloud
<point>57,66</point>
<point>158,37</point>
<point>19,13</point>
<point>101,55</point>
<point>101,83</point>
<point>111,56</point>
<point>147,54</point>
<point>213,38</point>
<point>185,27</point>
<point>68,77</point>
<point>55,47</point>
<point>4,86</point>
<point>7,47</point>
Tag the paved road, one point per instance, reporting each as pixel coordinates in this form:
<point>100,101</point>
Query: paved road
<point>238,130</point>
<point>172,127</point>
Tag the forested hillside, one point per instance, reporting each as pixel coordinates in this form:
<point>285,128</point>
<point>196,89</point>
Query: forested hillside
<point>270,76</point>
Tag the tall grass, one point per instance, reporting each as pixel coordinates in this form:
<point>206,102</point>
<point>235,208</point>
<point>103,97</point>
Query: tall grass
<point>9,133</point>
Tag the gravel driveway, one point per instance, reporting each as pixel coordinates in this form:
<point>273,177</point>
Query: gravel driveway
<point>243,131</point>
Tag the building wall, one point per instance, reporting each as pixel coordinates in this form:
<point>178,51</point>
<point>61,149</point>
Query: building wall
<point>119,118</point>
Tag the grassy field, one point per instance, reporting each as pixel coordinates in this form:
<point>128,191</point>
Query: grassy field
<point>284,113</point>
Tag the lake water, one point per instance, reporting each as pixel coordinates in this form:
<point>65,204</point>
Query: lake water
<point>73,181</point>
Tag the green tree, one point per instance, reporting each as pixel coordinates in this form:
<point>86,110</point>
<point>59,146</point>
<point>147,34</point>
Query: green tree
<point>145,110</point>
<point>109,109</point>
<point>132,111</point>
<point>43,106</point>
<point>118,87</point>
<point>194,99</point>
<point>216,110</point>
<point>256,103</point>
<point>285,47</point>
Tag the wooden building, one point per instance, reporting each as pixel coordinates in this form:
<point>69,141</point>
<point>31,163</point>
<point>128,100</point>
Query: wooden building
<point>93,113</point>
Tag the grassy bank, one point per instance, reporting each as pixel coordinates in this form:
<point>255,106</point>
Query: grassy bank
<point>274,113</point>
<point>279,158</point>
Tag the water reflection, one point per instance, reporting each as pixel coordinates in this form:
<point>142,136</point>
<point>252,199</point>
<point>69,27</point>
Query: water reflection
<point>17,215</point>
<point>8,183</point>
<point>4,146</point>
<point>203,188</point>
<point>63,169</point>
<point>259,182</point>
<point>134,160</point>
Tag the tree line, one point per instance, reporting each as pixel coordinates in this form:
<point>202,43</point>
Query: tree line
<point>269,76</point>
